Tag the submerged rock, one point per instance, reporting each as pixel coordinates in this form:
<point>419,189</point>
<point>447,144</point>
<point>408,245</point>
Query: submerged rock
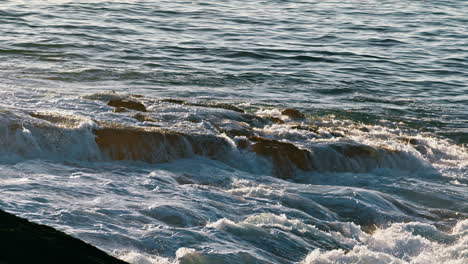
<point>128,103</point>
<point>274,120</point>
<point>310,128</point>
<point>142,118</point>
<point>26,242</point>
<point>234,128</point>
<point>173,101</point>
<point>286,156</point>
<point>58,118</point>
<point>293,113</point>
<point>353,150</point>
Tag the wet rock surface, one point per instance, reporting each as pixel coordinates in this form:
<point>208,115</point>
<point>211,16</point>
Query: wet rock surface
<point>120,110</point>
<point>275,120</point>
<point>353,150</point>
<point>132,143</point>
<point>293,113</point>
<point>142,118</point>
<point>59,119</point>
<point>128,104</point>
<point>22,241</point>
<point>153,145</point>
<point>286,156</point>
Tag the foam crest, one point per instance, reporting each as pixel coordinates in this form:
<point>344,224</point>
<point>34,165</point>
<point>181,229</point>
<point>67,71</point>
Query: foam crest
<point>52,136</point>
<point>134,257</point>
<point>415,243</point>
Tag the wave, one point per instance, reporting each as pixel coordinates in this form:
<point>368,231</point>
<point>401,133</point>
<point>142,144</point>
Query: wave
<point>401,243</point>
<point>291,144</point>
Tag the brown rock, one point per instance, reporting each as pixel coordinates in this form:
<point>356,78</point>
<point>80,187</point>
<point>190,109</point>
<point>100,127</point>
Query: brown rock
<point>286,156</point>
<point>153,145</point>
<point>275,120</point>
<point>127,103</point>
<point>120,110</point>
<point>293,113</point>
<point>132,143</point>
<point>142,118</point>
<point>243,143</point>
<point>310,128</point>
<point>353,150</point>
<point>364,129</point>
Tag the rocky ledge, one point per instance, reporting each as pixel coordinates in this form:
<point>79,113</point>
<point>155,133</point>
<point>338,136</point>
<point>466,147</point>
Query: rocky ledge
<point>24,242</point>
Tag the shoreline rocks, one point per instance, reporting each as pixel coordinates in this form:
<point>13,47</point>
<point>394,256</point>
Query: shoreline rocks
<point>22,241</point>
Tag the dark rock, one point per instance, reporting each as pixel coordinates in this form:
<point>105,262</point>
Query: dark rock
<point>173,101</point>
<point>364,129</point>
<point>239,133</point>
<point>293,113</point>
<point>22,241</point>
<point>353,150</point>
<point>255,121</point>
<point>314,129</point>
<point>127,103</point>
<point>243,143</point>
<point>142,118</point>
<point>410,140</point>
<point>414,141</point>
<point>234,128</point>
<point>336,134</point>
<point>286,156</point>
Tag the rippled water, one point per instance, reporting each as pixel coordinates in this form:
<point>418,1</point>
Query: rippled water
<point>382,84</point>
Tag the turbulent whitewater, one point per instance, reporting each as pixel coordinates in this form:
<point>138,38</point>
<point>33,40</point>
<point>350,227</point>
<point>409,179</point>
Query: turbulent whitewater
<point>239,132</point>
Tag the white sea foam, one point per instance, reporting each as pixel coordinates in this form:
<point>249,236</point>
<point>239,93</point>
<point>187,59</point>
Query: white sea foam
<point>134,257</point>
<point>415,243</point>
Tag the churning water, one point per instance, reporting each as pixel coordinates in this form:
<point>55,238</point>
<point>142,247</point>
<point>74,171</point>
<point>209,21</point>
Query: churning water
<point>156,130</point>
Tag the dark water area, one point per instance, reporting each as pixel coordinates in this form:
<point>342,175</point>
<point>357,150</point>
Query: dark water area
<point>383,86</point>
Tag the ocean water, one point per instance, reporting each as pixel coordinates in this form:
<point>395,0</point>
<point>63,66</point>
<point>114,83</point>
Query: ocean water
<point>375,170</point>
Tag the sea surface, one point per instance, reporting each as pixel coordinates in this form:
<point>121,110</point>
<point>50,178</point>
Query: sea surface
<point>371,168</point>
